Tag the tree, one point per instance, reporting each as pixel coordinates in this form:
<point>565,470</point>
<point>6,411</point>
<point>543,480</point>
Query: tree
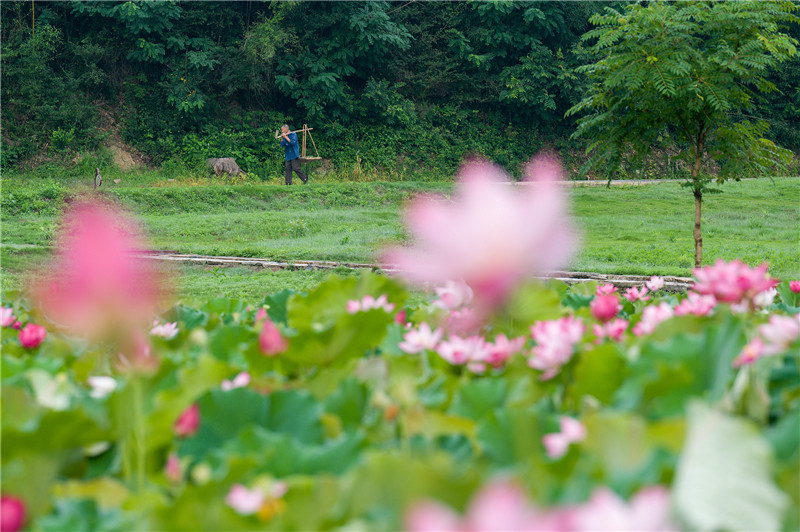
<point>679,75</point>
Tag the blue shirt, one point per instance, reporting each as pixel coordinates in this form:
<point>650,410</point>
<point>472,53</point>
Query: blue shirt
<point>292,148</point>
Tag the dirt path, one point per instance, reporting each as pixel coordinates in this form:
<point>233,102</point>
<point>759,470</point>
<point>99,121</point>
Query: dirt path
<point>671,283</point>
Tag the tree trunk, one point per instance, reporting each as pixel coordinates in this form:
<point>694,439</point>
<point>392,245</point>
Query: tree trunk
<point>698,236</point>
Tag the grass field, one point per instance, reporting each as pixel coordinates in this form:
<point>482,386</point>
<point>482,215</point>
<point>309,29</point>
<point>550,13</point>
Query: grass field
<point>636,230</point>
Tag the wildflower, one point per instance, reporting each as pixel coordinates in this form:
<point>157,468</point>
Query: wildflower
<point>750,353</point>
<point>245,501</point>
<point>732,282</point>
<point>605,307</point>
<point>606,511</point>
<point>696,305</point>
<point>417,340</point>
<point>555,344</point>
<point>453,295</point>
<point>491,236</point>
<point>32,335</point>
<point>651,317</point>
<point>633,294</point>
<point>794,286</point>
<point>189,422</point>
<point>239,381</point>
<point>101,386</point>
<point>557,443</point>
<point>655,283</point>
<point>7,316</point>
<point>12,513</point>
<point>99,284</point>
<point>271,341</point>
<point>613,329</point>
<point>167,331</point>
<point>605,289</point>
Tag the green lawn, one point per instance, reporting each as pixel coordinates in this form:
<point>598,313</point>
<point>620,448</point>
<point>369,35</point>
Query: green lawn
<point>637,230</point>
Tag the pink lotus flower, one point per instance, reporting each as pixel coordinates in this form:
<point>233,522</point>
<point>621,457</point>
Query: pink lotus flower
<point>750,353</point>
<point>604,308</point>
<point>98,284</point>
<point>780,333</point>
<point>271,341</point>
<point>261,315</point>
<point>417,340</point>
<point>765,299</point>
<point>463,321</point>
<point>189,422</point>
<point>733,281</point>
<point>239,381</point>
<point>633,294</point>
<point>555,344</point>
<point>655,283</point>
<point>136,356</point>
<point>172,469</point>
<point>651,317</point>
<point>614,329</point>
<point>794,286</point>
<point>696,305</point>
<point>400,317</point>
<point>502,349</point>
<point>458,351</point>
<point>491,235</point>
<point>12,513</point>
<point>167,331</point>
<point>245,501</point>
<point>369,303</point>
<point>7,316</point>
<point>500,506</point>
<point>556,444</point>
<point>453,295</point>
<point>605,289</point>
<point>353,306</point>
<point>32,335</point>
<point>648,511</point>
<point>17,325</point>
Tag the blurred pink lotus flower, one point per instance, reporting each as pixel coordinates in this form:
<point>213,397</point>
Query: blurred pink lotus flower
<point>271,341</point>
<point>32,335</point>
<point>417,340</point>
<point>605,289</point>
<point>464,321</point>
<point>167,331</point>
<point>651,317</point>
<point>502,349</point>
<point>172,469</point>
<point>7,317</point>
<point>555,344</point>
<point>780,333</point>
<point>751,352</point>
<point>500,506</point>
<point>605,307</point>
<point>635,294</point>
<point>732,282</point>
<point>765,299</point>
<point>458,351</point>
<point>189,422</point>
<point>655,283</point>
<point>97,284</point>
<point>557,443</point>
<point>491,235</point>
<point>614,329</point>
<point>370,303</point>
<point>400,317</point>
<point>794,286</point>
<point>353,306</point>
<point>245,501</point>
<point>647,511</point>
<point>261,315</point>
<point>239,381</point>
<point>17,325</point>
<point>453,295</point>
<point>695,304</point>
<point>136,356</point>
<point>12,513</point>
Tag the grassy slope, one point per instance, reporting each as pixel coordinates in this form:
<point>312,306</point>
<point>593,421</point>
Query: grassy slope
<point>643,230</point>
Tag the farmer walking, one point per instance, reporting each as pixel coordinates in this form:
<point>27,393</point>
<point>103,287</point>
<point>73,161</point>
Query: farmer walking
<point>290,145</point>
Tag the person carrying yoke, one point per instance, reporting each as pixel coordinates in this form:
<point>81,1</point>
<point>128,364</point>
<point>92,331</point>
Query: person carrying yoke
<point>292,148</point>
